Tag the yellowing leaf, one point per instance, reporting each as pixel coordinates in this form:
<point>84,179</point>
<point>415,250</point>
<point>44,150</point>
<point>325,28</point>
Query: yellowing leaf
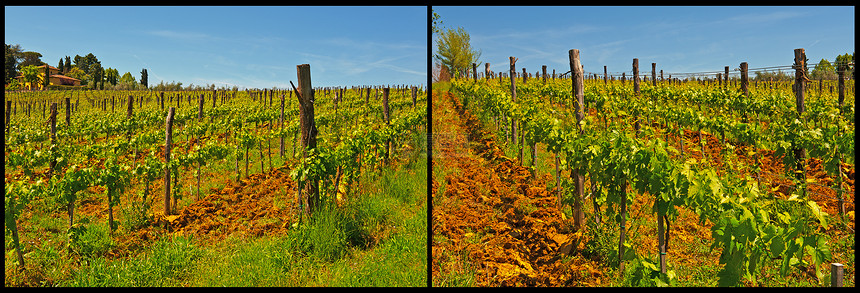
<point>817,212</point>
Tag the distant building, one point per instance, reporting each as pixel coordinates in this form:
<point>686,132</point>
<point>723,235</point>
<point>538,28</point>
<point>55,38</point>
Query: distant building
<point>54,78</point>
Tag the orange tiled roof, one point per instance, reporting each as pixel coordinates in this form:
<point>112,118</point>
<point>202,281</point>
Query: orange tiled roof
<point>64,77</point>
<point>49,66</point>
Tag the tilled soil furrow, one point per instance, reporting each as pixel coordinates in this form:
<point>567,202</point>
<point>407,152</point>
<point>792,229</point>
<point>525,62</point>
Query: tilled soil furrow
<point>504,219</point>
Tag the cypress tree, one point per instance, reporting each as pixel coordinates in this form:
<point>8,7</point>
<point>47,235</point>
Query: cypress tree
<point>143,78</point>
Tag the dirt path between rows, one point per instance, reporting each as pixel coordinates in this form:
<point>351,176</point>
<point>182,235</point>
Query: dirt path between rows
<point>495,214</point>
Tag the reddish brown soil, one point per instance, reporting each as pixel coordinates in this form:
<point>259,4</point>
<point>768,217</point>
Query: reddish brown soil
<point>773,175</point>
<point>244,208</point>
<point>498,214</point>
<point>496,222</point>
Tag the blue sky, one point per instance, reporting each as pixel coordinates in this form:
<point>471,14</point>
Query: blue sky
<point>249,47</point>
<point>678,39</point>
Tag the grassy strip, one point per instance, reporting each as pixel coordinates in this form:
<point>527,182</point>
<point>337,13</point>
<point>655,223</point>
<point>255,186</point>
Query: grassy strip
<point>377,239</point>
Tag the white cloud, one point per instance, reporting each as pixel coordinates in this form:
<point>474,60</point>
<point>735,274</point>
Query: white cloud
<point>182,36</point>
<point>754,18</point>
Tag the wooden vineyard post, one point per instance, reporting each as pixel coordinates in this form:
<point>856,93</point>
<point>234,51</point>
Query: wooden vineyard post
<point>296,132</point>
<point>281,125</point>
<point>161,100</point>
<point>841,76</point>
<point>521,144</point>
<point>168,143</point>
<point>745,79</point>
<point>745,87</point>
<point>53,120</point>
<point>269,145</point>
<point>513,76</point>
<point>578,93</point>
<point>197,140</point>
<point>605,75</point>
<point>68,105</point>
<point>820,85</point>
<point>623,78</point>
<point>837,273</point>
<point>841,86</point>
<point>486,71</point>
<point>414,95</point>
<point>525,77</point>
<point>387,117</point>
<point>799,91</point>
<point>8,115</point>
<point>260,146</point>
<point>129,113</point>
<point>543,73</point>
<point>661,241</point>
<point>654,74</point>
<point>623,229</point>
<point>200,108</point>
<point>636,91</point>
<point>726,78</point>
<point>475,72</point>
<point>304,93</point>
<point>238,148</point>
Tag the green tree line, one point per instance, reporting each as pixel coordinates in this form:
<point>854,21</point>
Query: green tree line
<point>88,69</point>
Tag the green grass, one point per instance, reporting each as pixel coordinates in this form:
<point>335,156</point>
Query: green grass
<point>169,262</point>
<point>377,240</point>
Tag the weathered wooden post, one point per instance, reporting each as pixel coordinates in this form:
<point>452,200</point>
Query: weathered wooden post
<point>799,86</point>
<point>387,117</point>
<point>414,95</point>
<point>841,86</point>
<point>513,77</point>
<point>305,96</point>
<point>525,75</point>
<point>168,144</point>
<point>543,73</point>
<point>636,91</point>
<point>53,120</point>
<point>8,115</point>
<point>605,75</point>
<point>200,108</point>
<point>68,106</point>
<point>745,79</point>
<point>837,273</point>
<point>654,74</point>
<point>578,93</point>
